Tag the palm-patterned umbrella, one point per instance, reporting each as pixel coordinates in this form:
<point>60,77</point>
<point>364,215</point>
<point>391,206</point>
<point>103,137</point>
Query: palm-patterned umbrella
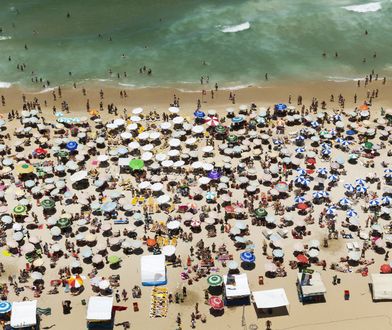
<point>63,223</point>
<point>214,280</point>
<point>48,203</point>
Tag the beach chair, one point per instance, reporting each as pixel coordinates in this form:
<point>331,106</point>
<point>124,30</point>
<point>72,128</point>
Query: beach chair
<point>283,232</point>
<point>350,246</point>
<point>356,246</point>
<point>174,241</point>
<point>121,221</point>
<point>267,233</point>
<point>134,201</point>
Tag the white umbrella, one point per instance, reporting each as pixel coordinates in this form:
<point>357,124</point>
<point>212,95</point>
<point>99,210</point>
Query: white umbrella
<point>125,135</point>
<point>173,153</point>
<point>137,111</point>
<point>164,199</point>
<point>197,129</point>
<point>168,250</point>
<point>135,119</point>
<point>204,180</point>
<point>167,163</point>
<point>144,185</point>
<point>174,109</point>
<point>173,225</point>
<point>132,127</point>
<point>155,135</point>
<point>134,145</point>
<point>174,142</point>
<point>143,135</point>
<point>78,176</point>
<point>157,186</point>
<point>146,156</point>
<point>165,125</point>
<point>190,141</point>
<point>55,231</point>
<point>178,120</point>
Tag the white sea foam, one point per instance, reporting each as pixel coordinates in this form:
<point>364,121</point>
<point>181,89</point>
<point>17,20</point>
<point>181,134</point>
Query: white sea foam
<point>4,84</point>
<point>365,8</point>
<point>46,90</point>
<point>234,88</point>
<point>5,38</point>
<point>127,85</point>
<point>343,79</point>
<point>236,28</point>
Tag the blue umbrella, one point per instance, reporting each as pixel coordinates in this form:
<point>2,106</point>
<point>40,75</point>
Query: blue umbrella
<point>386,200</point>
<point>326,152</point>
<point>5,307</point>
<point>337,117</point>
<point>361,189</point>
<point>325,193</point>
<point>322,171</point>
<point>302,180</point>
<point>301,171</point>
<point>318,194</point>
<point>214,175</point>
<point>332,131</point>
<point>237,119</point>
<point>360,182</point>
<point>300,138</point>
<point>325,145</point>
<point>247,256</point>
<point>374,202</point>
<point>339,140</point>
<point>109,206</point>
<point>210,195</point>
<point>299,199</point>
<point>315,124</point>
<point>331,210</point>
<point>280,107</point>
<point>351,213</point>
<point>333,177</point>
<point>278,253</point>
<point>199,114</point>
<point>344,201</point>
<point>388,170</point>
<point>351,132</point>
<point>71,145</point>
<point>349,187</point>
<point>345,143</point>
<point>299,150</point>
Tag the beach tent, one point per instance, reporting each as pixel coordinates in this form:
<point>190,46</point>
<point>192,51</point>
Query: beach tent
<point>153,270</point>
<point>311,287</point>
<point>382,286</point>
<point>270,298</point>
<point>100,313</point>
<point>238,292</point>
<point>24,314</point>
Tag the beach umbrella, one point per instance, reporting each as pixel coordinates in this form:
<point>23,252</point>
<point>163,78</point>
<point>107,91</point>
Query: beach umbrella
<point>299,199</point>
<point>20,210</point>
<point>302,180</point>
<point>354,255</point>
<point>168,250</point>
<point>197,129</point>
<point>384,269</point>
<point>360,182</point>
<point>109,206</point>
<point>317,195</point>
<point>5,307</point>
<point>333,178</point>
<point>48,203</point>
<point>75,281</point>
<point>55,231</point>
<point>237,119</point>
<point>136,164</point>
<point>280,107</point>
<point>199,114</point>
<point>301,171</point>
<point>349,187</point>
<point>302,206</point>
<point>212,121</point>
<point>302,259</point>
<point>6,219</point>
<point>322,171</point>
<point>216,303</point>
<point>326,152</point>
<point>63,223</point>
<point>18,236</point>
<point>313,253</point>
<point>247,257</point>
<point>281,187</point>
<point>214,280</point>
<point>214,175</point>
<point>71,145</point>
<point>24,168</point>
<point>113,260</point>
<point>260,213</point>
<point>172,225</point>
<point>374,202</point>
<point>299,150</point>
<point>220,129</point>
<point>344,201</point>
<point>78,176</point>
<point>351,213</point>
<point>361,189</point>
<point>368,145</point>
<point>331,210</point>
<point>278,253</point>
<point>386,200</point>
<point>40,151</point>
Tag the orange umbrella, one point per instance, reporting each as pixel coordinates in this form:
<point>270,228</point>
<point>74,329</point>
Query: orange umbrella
<point>363,107</point>
<point>151,242</point>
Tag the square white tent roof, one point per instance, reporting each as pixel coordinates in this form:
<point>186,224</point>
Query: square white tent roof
<point>315,287</point>
<point>24,314</point>
<point>382,286</point>
<point>99,308</point>
<point>270,298</point>
<point>240,289</point>
<point>153,270</point>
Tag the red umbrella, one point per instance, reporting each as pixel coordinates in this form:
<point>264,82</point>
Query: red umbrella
<point>40,151</point>
<point>385,269</point>
<point>229,209</point>
<point>311,161</point>
<point>216,302</point>
<point>212,121</point>
<point>302,206</point>
<point>302,259</point>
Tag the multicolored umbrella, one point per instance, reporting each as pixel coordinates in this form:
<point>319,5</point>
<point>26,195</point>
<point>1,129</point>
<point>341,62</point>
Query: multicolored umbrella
<point>136,164</point>
<point>214,280</point>
<point>48,204</point>
<point>282,187</point>
<point>20,209</point>
<point>75,281</point>
<point>216,303</point>
<point>212,121</point>
<point>24,168</point>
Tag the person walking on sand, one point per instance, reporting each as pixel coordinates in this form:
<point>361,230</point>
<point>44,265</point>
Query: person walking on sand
<point>268,324</point>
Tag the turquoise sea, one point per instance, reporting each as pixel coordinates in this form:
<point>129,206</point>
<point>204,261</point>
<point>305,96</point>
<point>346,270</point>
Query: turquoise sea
<point>234,42</point>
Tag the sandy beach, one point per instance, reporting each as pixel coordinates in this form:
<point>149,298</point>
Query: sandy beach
<point>359,312</point>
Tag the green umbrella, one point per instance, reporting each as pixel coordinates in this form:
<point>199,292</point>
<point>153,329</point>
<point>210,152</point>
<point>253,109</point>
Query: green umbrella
<point>260,212</point>
<point>136,164</point>
<point>232,138</point>
<point>214,280</point>
<point>368,145</point>
<point>220,129</point>
<point>113,260</point>
<point>20,209</point>
<point>62,154</point>
<point>63,223</point>
<point>48,203</point>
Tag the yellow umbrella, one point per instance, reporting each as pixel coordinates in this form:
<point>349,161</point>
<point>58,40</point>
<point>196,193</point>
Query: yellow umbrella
<point>5,253</point>
<point>24,168</point>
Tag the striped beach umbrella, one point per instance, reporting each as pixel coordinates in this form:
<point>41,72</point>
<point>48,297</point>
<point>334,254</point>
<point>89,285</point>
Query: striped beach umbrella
<point>48,203</point>
<point>20,209</point>
<point>214,280</point>
<point>71,145</point>
<point>349,187</point>
<point>299,199</point>
<point>325,193</point>
<point>220,129</point>
<point>326,152</point>
<point>75,281</point>
<point>351,213</point>
<point>302,180</point>
<point>317,194</point>
<point>299,150</point>
<point>374,202</point>
<point>344,201</point>
<point>212,121</point>
<point>301,171</point>
<point>322,171</point>
<point>361,189</point>
<point>300,138</point>
<point>232,138</point>
<point>331,210</point>
<point>63,223</point>
<point>5,307</point>
<point>216,303</point>
<point>260,213</point>
<point>360,182</point>
<point>237,119</point>
<point>247,256</point>
<point>333,178</point>
<point>386,200</point>
<point>315,124</point>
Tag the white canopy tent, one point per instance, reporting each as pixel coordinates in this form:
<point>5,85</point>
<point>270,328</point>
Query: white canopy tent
<point>382,286</point>
<point>153,270</point>
<point>24,314</point>
<point>99,308</point>
<point>314,287</point>
<point>270,298</point>
<point>240,289</point>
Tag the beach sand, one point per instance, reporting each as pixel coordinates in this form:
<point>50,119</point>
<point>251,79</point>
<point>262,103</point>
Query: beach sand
<point>336,313</point>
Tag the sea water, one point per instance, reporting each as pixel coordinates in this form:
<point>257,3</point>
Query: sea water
<point>233,42</point>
